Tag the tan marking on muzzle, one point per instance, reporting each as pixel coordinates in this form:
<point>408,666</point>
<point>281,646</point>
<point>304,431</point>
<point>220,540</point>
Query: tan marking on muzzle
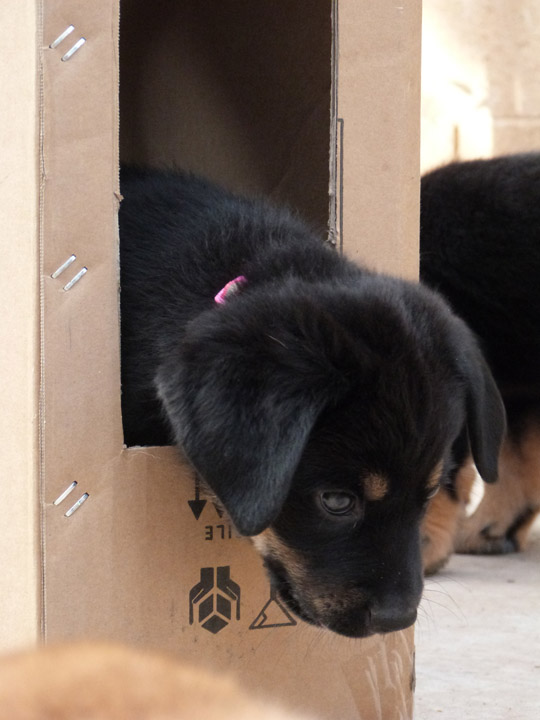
<point>270,545</point>
<point>322,602</point>
<point>328,604</point>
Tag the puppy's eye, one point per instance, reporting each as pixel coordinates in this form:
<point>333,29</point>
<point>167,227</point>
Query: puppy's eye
<point>433,492</point>
<point>338,503</point>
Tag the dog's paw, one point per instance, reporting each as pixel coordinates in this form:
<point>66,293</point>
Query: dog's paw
<point>494,530</point>
<point>435,555</point>
<point>501,522</point>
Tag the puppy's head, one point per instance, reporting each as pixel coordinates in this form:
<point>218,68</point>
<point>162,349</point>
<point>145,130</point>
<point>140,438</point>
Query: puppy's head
<point>323,418</point>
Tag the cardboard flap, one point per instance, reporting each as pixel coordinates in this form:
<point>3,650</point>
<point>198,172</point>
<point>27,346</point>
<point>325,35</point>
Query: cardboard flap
<point>376,109</point>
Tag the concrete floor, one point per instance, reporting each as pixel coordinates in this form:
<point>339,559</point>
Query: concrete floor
<point>478,639</point>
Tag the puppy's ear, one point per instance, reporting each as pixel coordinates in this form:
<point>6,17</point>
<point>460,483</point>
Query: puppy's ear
<point>243,393</point>
<point>486,417</point>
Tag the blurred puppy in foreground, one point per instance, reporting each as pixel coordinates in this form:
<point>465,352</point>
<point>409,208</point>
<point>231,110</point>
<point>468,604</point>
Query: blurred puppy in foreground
<point>109,682</point>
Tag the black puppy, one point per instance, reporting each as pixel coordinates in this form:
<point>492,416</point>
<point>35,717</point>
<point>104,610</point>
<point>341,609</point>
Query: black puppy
<point>480,247</point>
<point>320,402</point>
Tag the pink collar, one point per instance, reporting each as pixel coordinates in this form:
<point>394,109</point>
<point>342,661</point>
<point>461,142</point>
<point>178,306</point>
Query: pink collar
<point>231,288</point>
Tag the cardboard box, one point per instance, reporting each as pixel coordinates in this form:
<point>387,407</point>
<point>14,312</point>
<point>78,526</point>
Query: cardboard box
<point>302,105</point>
<point>19,325</point>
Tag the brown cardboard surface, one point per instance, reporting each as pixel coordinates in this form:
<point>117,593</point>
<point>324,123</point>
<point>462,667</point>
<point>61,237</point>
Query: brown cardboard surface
<point>378,95</point>
<point>219,98</point>
<point>145,579</point>
<point>132,561</point>
<point>19,325</point>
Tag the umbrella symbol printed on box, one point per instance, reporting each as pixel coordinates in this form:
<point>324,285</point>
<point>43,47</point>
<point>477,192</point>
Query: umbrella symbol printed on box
<point>274,614</point>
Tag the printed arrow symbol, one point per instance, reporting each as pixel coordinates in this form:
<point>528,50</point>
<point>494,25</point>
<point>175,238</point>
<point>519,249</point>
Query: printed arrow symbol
<point>197,505</point>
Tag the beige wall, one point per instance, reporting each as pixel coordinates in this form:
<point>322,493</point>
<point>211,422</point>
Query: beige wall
<point>480,79</point>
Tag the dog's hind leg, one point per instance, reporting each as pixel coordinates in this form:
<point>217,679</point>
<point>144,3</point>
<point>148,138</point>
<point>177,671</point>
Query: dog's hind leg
<point>502,520</point>
<point>443,517</point>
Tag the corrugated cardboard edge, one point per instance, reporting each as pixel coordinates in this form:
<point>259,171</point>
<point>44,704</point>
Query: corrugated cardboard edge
<point>375,180</point>
<point>19,596</point>
<point>81,431</point>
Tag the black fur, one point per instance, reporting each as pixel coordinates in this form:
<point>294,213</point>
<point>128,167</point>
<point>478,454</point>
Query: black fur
<point>480,247</point>
<point>315,376</point>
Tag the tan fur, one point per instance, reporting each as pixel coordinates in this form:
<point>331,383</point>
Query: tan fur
<point>513,500</point>
<point>316,597</point>
<point>375,487</point>
<point>504,516</point>
<point>442,520</point>
<point>108,682</point>
<point>435,477</point>
<point>269,544</point>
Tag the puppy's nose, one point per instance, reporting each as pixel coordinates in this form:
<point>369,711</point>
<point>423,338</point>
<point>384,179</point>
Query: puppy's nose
<point>389,617</point>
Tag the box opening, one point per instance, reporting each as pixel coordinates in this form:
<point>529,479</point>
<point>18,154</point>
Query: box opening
<point>238,92</point>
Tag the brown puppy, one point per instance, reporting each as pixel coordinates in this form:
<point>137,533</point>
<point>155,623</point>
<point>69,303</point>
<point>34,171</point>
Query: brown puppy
<point>480,248</point>
<point>109,682</point>
<point>503,518</point>
<point>502,521</point>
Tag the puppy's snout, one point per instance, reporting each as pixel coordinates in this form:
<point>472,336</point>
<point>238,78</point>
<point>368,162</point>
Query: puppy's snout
<point>363,618</point>
<point>392,616</point>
